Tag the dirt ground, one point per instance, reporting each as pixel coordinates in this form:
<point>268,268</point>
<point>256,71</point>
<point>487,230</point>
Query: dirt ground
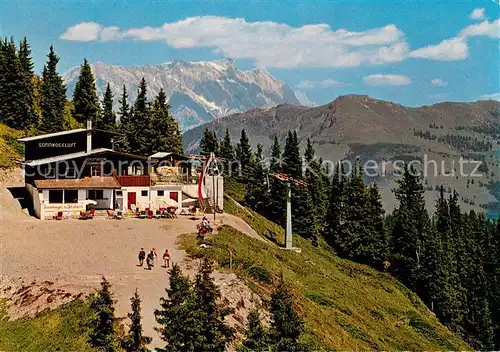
<point>45,263</point>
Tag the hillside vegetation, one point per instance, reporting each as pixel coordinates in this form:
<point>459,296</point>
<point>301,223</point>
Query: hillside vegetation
<point>346,306</point>
<point>10,149</point>
<point>54,330</point>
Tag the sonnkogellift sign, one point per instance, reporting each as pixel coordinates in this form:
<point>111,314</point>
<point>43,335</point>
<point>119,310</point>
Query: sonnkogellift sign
<point>56,145</point>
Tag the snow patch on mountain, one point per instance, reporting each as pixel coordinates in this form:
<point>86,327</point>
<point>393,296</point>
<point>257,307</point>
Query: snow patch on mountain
<point>198,92</point>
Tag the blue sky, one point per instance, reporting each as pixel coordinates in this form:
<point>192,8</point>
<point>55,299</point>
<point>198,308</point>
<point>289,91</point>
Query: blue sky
<point>412,52</point>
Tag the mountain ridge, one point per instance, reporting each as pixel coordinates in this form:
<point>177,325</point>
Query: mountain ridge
<point>198,91</point>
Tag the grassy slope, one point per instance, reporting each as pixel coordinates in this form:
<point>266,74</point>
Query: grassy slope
<point>54,330</point>
<point>10,148</point>
<point>346,306</point>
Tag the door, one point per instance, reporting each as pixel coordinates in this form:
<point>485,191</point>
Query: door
<point>131,198</point>
<point>174,196</point>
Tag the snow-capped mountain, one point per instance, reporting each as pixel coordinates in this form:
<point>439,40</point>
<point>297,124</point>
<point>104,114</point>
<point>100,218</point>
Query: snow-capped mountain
<point>198,92</point>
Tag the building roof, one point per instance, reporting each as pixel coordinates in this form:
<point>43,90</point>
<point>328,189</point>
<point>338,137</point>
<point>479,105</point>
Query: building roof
<point>62,133</point>
<point>163,155</point>
<point>81,183</point>
<point>55,159</point>
<point>49,135</point>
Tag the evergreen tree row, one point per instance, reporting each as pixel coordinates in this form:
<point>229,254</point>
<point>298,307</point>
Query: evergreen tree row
<point>32,103</point>
<point>191,319</point>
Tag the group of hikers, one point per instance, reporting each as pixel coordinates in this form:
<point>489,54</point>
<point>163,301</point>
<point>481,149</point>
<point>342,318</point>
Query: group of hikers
<point>151,258</point>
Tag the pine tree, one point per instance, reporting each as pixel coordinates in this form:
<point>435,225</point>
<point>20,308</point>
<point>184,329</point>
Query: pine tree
<point>52,95</point>
<point>226,148</point>
<point>256,336</point>
<point>377,235</point>
<point>125,120</point>
<point>215,333</point>
<point>167,136</point>
<point>245,156</point>
<point>141,129</point>
<point>316,187</point>
<point>292,162</point>
<point>410,223</point>
<point>209,143</point>
<point>101,324</point>
<point>28,118</point>
<point>85,98</point>
<point>12,92</point>
<point>178,317</point>
<point>135,341</point>
<point>335,213</point>
<point>256,195</point>
<point>286,325</point>
<point>108,116</point>
<point>276,210</point>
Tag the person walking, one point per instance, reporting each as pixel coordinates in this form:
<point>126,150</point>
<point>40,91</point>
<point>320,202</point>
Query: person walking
<point>142,256</point>
<point>166,259</point>
<point>155,255</point>
<point>150,260</point>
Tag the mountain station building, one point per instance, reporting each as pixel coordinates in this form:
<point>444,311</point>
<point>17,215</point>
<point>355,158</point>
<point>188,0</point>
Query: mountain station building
<point>70,171</point>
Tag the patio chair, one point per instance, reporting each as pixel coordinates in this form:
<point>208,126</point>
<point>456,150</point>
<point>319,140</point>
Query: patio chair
<point>158,214</point>
<point>58,216</point>
<point>111,214</point>
<point>118,215</point>
<point>150,214</point>
<point>142,214</point>
<point>91,213</point>
<point>83,215</point>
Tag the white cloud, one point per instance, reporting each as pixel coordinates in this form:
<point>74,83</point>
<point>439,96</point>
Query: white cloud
<point>477,14</point>
<point>448,50</point>
<point>269,44</point>
<point>315,84</point>
<point>380,79</point>
<point>438,82</point>
<point>273,44</point>
<point>485,28</point>
<point>494,96</point>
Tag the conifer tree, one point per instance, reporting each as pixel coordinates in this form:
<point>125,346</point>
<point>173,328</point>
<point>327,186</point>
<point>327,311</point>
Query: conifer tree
<point>256,336</point>
<point>226,148</point>
<point>178,317</point>
<point>108,115</point>
<point>256,195</point>
<point>292,162</point>
<point>167,136</point>
<point>245,156</point>
<point>209,142</point>
<point>277,189</point>
<point>101,324</point>
<point>378,239</point>
<point>28,117</point>
<point>52,95</point>
<point>286,325</point>
<point>135,341</point>
<point>141,129</point>
<point>335,207</point>
<point>12,90</point>
<point>125,120</point>
<point>315,186</point>
<point>85,98</point>
<point>215,333</point>
<point>410,223</point>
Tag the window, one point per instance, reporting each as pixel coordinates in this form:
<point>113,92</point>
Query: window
<point>95,171</point>
<point>119,193</point>
<point>55,196</point>
<point>144,193</point>
<point>160,193</point>
<point>135,170</point>
<point>95,194</point>
<point>71,196</point>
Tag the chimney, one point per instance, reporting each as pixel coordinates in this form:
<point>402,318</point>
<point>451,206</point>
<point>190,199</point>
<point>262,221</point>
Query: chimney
<point>89,136</point>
